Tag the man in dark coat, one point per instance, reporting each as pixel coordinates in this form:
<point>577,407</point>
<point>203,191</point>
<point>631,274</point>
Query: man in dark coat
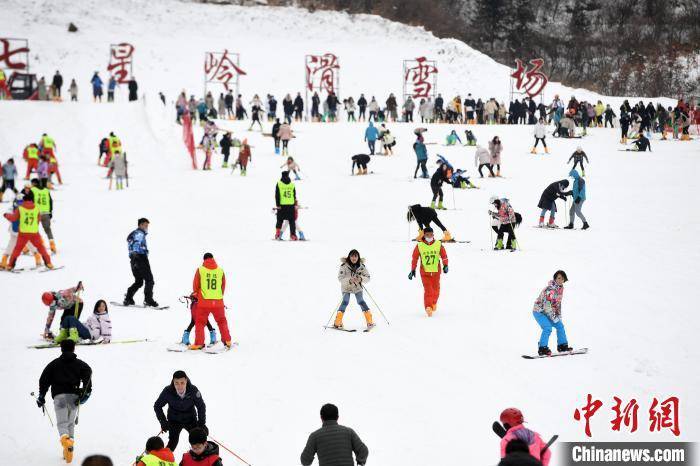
<point>548,201</point>
<point>133,89</point>
<point>334,444</point>
<point>57,83</point>
<point>186,408</point>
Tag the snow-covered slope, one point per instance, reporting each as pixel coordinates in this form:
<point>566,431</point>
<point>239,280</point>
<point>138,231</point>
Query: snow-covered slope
<point>420,391</point>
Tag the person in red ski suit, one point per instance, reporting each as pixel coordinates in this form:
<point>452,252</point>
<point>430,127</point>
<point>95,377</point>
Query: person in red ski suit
<point>430,252</point>
<point>209,285</point>
<point>28,216</point>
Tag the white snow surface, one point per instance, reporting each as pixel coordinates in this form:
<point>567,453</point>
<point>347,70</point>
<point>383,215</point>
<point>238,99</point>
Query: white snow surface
<point>420,391</point>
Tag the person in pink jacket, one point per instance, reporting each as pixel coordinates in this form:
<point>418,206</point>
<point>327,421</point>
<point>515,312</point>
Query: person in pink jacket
<point>285,134</point>
<point>512,420</point>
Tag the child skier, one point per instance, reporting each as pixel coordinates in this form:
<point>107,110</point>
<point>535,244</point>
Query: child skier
<point>361,160</point>
<point>505,219</point>
<point>285,226</point>
<point>352,275</point>
<point>28,230</point>
<point>14,230</point>
<point>118,167</point>
<point>192,300</point>
<point>424,216</point>
<point>291,166</point>
<point>71,304</point>
<point>578,158</point>
<point>547,313</point>
<point>431,252</point>
<point>471,139</point>
<point>202,452</point>
<point>540,133</point>
<point>548,201</point>
<point>156,454</point>
<point>244,156</point>
<point>99,323</point>
<point>460,180</point>
<point>512,420</point>
<point>452,139</point>
<point>578,192</point>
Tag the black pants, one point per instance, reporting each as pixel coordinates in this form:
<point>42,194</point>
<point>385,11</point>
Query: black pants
<point>297,114</point>
<point>609,120</point>
<point>421,165</point>
<point>286,212</point>
<point>537,140</point>
<point>285,144</point>
<point>8,184</point>
<point>372,116</point>
<point>437,191</point>
<point>623,131</point>
<point>437,222</point>
<point>577,163</point>
<point>277,143</point>
<point>141,269</point>
<point>226,154</point>
<point>174,429</point>
<point>487,165</point>
<point>409,116</point>
<point>362,115</point>
<point>506,228</point>
<point>191,326</point>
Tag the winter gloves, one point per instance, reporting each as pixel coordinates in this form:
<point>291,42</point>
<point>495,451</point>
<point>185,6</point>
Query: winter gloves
<point>445,269</point>
<point>40,401</point>
<point>412,274</point>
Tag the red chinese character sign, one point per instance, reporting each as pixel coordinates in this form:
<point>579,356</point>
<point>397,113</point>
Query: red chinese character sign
<point>420,78</point>
<point>322,74</point>
<point>121,60</point>
<point>222,68</point>
<point>528,81</point>
<point>14,54</point>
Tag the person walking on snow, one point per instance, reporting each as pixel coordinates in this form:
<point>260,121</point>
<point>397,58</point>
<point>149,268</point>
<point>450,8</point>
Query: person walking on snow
<point>353,274</point>
<point>140,266</point>
<point>547,313</point>
<point>28,216</point>
<point>578,157</point>
<point>430,252</point>
<point>421,157</point>
<point>285,201</point>
<point>441,175</point>
<point>209,285</point>
<point>495,148</point>
<point>482,158</point>
<point>9,173</point>
<point>512,420</point>
<point>70,381</point>
<point>578,192</point>
<point>424,216</point>
<point>540,133</point>
<point>548,201</point>
<point>504,221</point>
<point>371,135</point>
<point>284,133</point>
<point>186,408</point>
<point>332,443</point>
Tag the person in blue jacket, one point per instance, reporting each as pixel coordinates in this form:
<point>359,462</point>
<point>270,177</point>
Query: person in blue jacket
<point>578,192</point>
<point>96,82</point>
<point>371,135</point>
<point>111,85</point>
<point>421,157</point>
<point>140,267</point>
<point>186,408</point>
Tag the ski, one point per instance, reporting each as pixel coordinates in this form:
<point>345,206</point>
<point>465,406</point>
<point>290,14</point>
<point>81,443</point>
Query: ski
<point>369,329</point>
<point>553,355</point>
<point>453,241</point>
<point>89,343</point>
<point>51,270</point>
<point>547,227</point>
<point>140,306</point>
<point>349,330</point>
<point>216,348</point>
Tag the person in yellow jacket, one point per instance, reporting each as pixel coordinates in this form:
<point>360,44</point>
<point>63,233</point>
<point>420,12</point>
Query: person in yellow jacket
<point>285,201</point>
<point>599,110</point>
<point>4,90</point>
<point>431,253</point>
<point>44,201</point>
<point>31,155</point>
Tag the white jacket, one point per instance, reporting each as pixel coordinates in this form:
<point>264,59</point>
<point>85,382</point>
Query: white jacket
<point>100,325</point>
<point>482,155</point>
<point>540,130</point>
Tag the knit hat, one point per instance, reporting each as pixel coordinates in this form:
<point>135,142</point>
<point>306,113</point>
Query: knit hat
<point>198,435</point>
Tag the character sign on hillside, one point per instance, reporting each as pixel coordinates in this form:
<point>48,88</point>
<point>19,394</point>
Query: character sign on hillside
<point>420,78</point>
<point>322,72</point>
<point>121,57</point>
<point>14,54</point>
<point>219,67</point>
<point>532,81</point>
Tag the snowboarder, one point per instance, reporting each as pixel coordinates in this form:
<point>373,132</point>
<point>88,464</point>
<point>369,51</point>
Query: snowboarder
<point>482,158</point>
<point>421,156</point>
<point>140,266</point>
<point>578,156</point>
<point>27,214</point>
<point>327,445</point>
<point>512,420</point>
<point>548,201</point>
<point>353,274</point>
<point>156,454</point>
<point>70,380</point>
<point>578,192</point>
<point>441,175</point>
<point>361,160</point>
<point>547,313</point>
<point>504,220</point>
<point>495,148</point>
<point>371,135</point>
<point>431,252</point>
<point>202,452</point>
<point>186,408</point>
<point>424,216</point>
<point>70,302</point>
<point>209,286</point>
<point>291,166</point>
<point>285,200</point>
<point>540,133</point>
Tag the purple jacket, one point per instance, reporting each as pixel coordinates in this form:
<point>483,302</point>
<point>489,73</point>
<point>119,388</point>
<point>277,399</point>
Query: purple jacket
<point>100,325</point>
<point>43,169</point>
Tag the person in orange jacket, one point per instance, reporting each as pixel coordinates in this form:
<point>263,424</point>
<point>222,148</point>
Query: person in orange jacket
<point>431,252</point>
<point>28,216</point>
<point>209,285</point>
<point>156,453</point>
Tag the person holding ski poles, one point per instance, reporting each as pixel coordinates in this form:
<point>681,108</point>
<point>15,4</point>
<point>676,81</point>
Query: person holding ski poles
<point>352,275</point>
<point>547,313</point>
<point>505,219</point>
<point>441,175</point>
<point>424,216</point>
<point>430,252</point>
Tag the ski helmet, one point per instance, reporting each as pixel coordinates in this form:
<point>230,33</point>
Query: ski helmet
<point>512,417</point>
<point>47,298</point>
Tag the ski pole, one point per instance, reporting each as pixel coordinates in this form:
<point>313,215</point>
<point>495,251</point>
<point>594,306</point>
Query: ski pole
<point>43,409</point>
<point>549,444</point>
<point>454,203</point>
<point>375,303</point>
<point>513,238</point>
<point>333,313</point>
<point>490,228</point>
<point>225,448</point>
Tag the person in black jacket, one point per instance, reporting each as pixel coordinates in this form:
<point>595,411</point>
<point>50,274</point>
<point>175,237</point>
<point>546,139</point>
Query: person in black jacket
<point>186,408</point>
<point>274,134</point>
<point>361,160</point>
<point>424,216</point>
<point>334,444</point>
<point>298,107</point>
<point>285,202</point>
<point>518,454</point>
<point>70,381</point>
<point>226,144</point>
<point>57,83</point>
<point>548,201</point>
<point>133,89</point>
<point>442,174</point>
<point>362,105</point>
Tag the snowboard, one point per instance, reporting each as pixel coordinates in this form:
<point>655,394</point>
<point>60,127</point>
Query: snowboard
<point>567,353</point>
<point>88,343</point>
<point>140,306</point>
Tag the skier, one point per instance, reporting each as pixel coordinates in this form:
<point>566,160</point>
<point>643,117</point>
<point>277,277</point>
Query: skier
<point>352,275</point>
<point>27,214</point>
<point>609,114</point>
<point>71,304</point>
<point>244,156</point>
<point>186,408</point>
<point>548,201</point>
<point>226,143</point>
<point>452,139</point>
<point>578,158</point>
<point>641,144</point>
<point>156,454</point>
<point>192,298</point>
<point>140,266</point>
<point>42,172</point>
<point>14,229</point>
<point>361,160</point>
<point>291,166</point>
<point>624,127</point>
<point>285,200</point>
<point>284,133</point>
<point>505,219</point>
<point>460,180</point>
<point>70,380</point>
<point>275,135</point>
<point>424,216</point>
<point>99,323</point>
<point>578,192</point>
<point>332,443</point>
<point>547,313</point>
<point>118,167</point>
<point>209,285</point>
<point>202,452</point>
<point>495,148</point>
<point>256,110</point>
<point>540,133</point>
<point>482,158</point>
<point>518,454</point>
<point>44,201</point>
<point>431,252</point>
<point>371,135</point>
<point>31,156</point>
<point>512,420</point>
<point>421,156</point>
<point>471,139</point>
<point>441,175</point>
<point>9,173</point>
